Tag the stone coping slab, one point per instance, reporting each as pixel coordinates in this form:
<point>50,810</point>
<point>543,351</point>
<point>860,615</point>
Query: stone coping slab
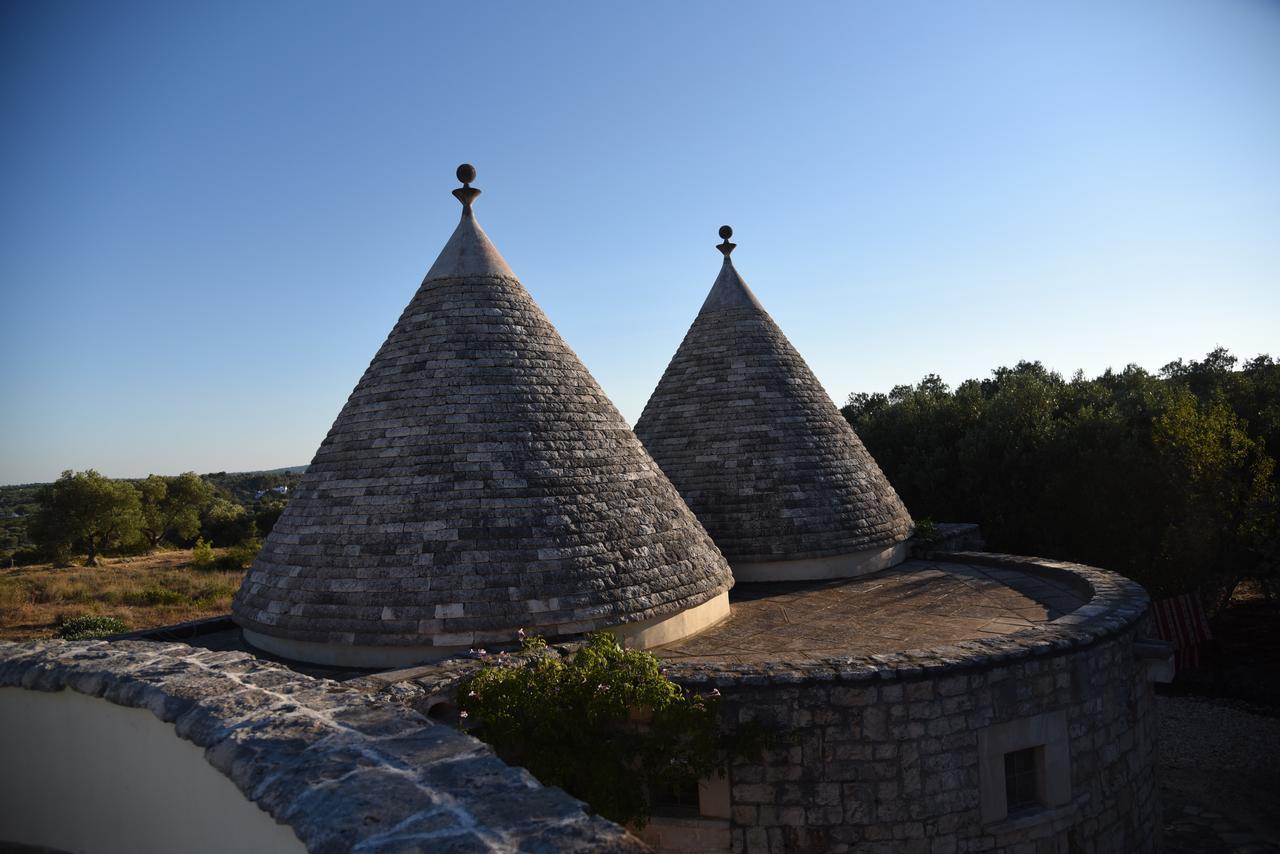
<point>345,771</point>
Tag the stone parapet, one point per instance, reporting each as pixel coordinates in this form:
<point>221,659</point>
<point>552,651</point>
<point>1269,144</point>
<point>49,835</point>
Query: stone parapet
<point>344,770</point>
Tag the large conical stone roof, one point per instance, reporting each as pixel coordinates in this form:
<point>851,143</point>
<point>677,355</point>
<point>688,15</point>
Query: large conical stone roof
<point>477,482</point>
<point>759,451</point>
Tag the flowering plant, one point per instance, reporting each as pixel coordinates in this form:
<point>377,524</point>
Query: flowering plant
<point>606,726</point>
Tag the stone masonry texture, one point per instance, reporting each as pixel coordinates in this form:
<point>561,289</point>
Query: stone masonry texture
<point>346,772</point>
<point>756,447</point>
<point>879,753</point>
<point>477,481</point>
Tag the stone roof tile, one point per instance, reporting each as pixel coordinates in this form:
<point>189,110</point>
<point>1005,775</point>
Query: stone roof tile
<point>478,480</point>
<point>745,431</point>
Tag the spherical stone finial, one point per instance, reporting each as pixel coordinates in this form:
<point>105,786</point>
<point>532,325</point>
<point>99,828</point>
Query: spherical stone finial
<point>466,193</point>
<point>726,247</point>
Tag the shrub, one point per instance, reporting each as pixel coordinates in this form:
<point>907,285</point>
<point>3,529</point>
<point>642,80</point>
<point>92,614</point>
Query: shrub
<point>90,626</point>
<point>202,555</point>
<point>606,726</point>
<point>241,556</point>
<point>927,531</point>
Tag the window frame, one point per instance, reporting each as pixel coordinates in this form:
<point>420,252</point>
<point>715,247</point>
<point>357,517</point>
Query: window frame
<point>1047,735</point>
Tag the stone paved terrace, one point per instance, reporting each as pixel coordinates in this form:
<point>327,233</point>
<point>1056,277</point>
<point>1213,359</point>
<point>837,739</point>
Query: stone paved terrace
<point>918,604</point>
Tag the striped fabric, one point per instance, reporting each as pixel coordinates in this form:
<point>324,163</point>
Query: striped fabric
<point>1182,622</point>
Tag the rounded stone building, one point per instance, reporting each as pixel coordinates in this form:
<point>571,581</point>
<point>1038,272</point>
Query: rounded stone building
<point>959,702</point>
<point>761,454</point>
<point>477,482</point>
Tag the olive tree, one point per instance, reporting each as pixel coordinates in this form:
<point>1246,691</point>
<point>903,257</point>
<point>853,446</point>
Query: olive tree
<point>172,505</point>
<point>86,511</point>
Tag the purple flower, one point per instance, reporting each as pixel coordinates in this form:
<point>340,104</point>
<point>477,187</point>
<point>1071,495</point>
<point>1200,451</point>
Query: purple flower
<point>473,694</point>
<point>520,634</point>
<point>715,692</point>
<point>462,714</point>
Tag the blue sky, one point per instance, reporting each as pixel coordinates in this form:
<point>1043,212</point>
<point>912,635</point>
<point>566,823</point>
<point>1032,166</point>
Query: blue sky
<point>213,213</point>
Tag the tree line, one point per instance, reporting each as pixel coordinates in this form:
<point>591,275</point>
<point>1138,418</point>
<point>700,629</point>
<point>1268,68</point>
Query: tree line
<point>1168,478</point>
<point>84,513</point>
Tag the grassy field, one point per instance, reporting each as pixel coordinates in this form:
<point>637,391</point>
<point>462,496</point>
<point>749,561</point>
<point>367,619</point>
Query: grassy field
<point>153,590</point>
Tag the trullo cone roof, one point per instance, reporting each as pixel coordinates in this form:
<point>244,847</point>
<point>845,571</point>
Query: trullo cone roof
<point>756,447</point>
<point>477,482</point>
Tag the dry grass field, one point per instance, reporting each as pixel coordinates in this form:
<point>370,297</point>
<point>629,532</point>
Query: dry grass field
<point>151,590</point>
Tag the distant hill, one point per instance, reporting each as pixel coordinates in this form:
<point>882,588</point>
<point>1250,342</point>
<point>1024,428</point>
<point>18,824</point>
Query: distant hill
<point>249,486</point>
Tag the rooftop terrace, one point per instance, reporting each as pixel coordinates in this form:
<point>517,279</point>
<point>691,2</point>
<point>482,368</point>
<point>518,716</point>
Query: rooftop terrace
<point>915,605</point>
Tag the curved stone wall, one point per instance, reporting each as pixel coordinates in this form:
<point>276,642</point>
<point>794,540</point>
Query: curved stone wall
<point>340,769</point>
<point>904,752</point>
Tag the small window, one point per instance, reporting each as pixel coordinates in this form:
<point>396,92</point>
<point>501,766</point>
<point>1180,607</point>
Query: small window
<point>1021,779</point>
<point>1024,767</point>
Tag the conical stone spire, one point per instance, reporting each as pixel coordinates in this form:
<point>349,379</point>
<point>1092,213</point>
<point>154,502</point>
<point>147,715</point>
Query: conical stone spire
<point>761,454</point>
<point>477,482</point>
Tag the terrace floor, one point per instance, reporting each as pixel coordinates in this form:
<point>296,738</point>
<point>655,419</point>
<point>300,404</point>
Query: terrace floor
<point>915,605</point>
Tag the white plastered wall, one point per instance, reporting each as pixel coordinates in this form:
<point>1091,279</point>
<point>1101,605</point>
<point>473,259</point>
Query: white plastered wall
<point>642,635</point>
<point>82,774</point>
<point>849,565</point>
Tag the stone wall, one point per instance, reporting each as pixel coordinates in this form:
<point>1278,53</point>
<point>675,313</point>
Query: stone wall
<point>883,753</point>
<point>341,769</point>
<point>893,767</point>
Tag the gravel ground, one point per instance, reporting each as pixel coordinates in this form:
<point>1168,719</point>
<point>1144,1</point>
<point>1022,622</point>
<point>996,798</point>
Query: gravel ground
<point>1219,777</point>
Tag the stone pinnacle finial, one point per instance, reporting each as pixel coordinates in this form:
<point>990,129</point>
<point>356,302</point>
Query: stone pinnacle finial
<point>466,193</point>
<point>726,247</point>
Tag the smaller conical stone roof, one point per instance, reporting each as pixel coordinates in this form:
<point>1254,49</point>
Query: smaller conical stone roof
<point>477,482</point>
<point>761,454</point>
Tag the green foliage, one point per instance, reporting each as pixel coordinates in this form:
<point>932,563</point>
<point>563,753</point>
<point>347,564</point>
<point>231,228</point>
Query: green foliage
<point>267,514</point>
<point>202,556</point>
<point>17,506</point>
<point>606,726</point>
<point>1169,479</point>
<point>241,555</point>
<point>85,511</point>
<point>244,487</point>
<point>150,597</point>
<point>173,506</point>
<point>86,627</point>
<point>223,508</point>
<point>225,522</point>
<point>926,531</point>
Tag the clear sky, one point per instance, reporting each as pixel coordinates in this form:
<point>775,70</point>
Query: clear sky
<point>213,213</point>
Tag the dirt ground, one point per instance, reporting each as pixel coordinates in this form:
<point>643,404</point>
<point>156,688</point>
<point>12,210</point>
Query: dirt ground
<point>1220,739</point>
<point>150,590</point>
<point>1219,777</point>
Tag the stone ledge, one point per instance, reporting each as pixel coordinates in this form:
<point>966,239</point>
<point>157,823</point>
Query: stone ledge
<point>1113,605</point>
<point>343,770</point>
